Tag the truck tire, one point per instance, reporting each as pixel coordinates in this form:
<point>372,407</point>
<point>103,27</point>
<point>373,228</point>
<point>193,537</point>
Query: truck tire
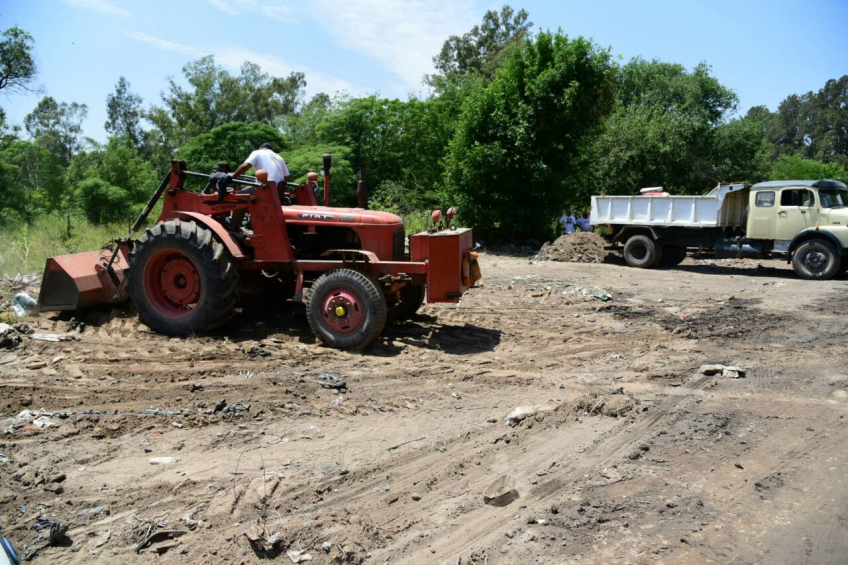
<point>411,299</point>
<point>642,252</point>
<point>346,309</point>
<point>181,279</point>
<point>672,255</point>
<point>816,259</point>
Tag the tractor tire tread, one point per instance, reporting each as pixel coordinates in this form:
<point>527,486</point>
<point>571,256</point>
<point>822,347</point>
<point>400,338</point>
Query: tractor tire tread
<point>375,303</point>
<point>220,291</point>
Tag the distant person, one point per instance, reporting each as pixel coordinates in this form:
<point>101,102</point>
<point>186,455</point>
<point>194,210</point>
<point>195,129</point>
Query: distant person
<point>568,222</point>
<point>584,223</point>
<point>263,158</point>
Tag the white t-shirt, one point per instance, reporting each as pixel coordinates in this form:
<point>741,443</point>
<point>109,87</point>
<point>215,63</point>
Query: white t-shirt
<point>567,223</point>
<point>584,224</point>
<point>271,162</point>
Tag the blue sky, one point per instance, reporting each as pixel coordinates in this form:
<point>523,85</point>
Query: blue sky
<point>763,50</point>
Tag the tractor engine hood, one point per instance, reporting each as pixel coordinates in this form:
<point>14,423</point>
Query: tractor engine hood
<point>338,216</point>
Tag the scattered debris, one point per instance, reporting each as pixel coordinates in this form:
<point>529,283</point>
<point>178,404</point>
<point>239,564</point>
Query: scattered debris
<point>100,412</point>
<point>160,536</point>
<point>255,351</point>
<point>331,381</point>
<point>501,492</point>
<point>299,556</point>
<point>728,371</point>
<point>55,337</point>
<point>40,419</point>
<point>24,305</point>
<point>54,531</point>
<point>519,414</point>
<point>162,460</point>
<point>159,412</point>
<point>239,408</point>
<point>9,337</point>
<point>263,541</point>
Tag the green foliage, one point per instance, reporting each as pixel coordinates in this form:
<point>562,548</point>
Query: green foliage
<point>119,164</point>
<point>343,175</point>
<point>57,126</point>
<point>795,167</point>
<point>663,131</point>
<point>517,139</point>
<point>17,65</point>
<point>26,245</point>
<point>813,125</point>
<point>124,114</point>
<point>231,143</point>
<point>301,127</point>
<point>31,181</point>
<point>482,50</point>
<point>103,202</point>
<point>215,97</point>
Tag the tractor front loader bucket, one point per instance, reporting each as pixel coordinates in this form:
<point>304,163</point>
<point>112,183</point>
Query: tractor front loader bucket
<point>84,279</point>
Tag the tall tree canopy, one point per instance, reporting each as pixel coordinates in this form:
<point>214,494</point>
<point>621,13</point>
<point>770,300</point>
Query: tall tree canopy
<point>57,126</point>
<point>481,50</point>
<point>215,97</point>
<point>517,139</point>
<point>124,112</point>
<point>17,66</point>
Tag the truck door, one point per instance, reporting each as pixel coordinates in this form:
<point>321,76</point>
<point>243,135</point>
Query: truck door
<point>796,213</point>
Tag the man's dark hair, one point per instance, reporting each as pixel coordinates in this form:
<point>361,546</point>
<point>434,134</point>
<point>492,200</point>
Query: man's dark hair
<point>266,146</point>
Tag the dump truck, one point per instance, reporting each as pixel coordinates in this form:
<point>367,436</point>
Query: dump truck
<point>349,266</point>
<point>803,221</point>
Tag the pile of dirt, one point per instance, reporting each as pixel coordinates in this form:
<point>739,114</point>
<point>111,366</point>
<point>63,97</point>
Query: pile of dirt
<point>580,247</point>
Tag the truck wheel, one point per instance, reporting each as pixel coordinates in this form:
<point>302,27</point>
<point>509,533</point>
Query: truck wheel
<point>181,279</point>
<point>346,309</point>
<point>672,255</point>
<point>816,260</point>
<point>411,299</point>
<point>641,251</point>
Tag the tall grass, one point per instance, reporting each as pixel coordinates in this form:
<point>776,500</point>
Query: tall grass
<point>24,247</point>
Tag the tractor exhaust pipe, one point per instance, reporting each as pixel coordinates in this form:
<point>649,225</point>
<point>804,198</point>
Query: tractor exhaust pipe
<point>328,162</point>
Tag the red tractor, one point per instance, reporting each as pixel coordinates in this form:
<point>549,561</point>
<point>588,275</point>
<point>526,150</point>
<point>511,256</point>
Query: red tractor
<point>349,265</point>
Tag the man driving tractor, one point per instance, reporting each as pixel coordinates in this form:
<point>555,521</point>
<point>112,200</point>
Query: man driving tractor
<point>263,158</point>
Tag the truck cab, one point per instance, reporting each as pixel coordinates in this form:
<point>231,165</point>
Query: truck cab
<point>807,221</point>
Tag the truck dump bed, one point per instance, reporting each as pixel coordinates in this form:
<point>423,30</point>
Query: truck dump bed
<point>724,206</point>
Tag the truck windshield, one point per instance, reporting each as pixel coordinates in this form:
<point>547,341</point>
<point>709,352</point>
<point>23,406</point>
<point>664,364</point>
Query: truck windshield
<point>833,198</point>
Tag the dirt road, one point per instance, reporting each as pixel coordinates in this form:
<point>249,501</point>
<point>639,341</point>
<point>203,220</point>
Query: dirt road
<point>633,457</point>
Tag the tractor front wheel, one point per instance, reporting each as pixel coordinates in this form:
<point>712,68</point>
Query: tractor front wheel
<point>346,309</point>
<point>181,279</point>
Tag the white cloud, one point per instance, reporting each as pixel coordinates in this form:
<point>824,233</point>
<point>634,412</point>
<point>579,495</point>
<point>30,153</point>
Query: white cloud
<point>233,57</point>
<point>403,35</point>
<point>104,6</point>
<point>273,9</point>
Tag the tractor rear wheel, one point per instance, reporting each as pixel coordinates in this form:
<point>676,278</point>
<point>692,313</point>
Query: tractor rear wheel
<point>346,309</point>
<point>181,279</point>
<point>411,299</point>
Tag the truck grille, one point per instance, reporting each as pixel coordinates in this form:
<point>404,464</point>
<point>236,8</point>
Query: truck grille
<point>398,245</point>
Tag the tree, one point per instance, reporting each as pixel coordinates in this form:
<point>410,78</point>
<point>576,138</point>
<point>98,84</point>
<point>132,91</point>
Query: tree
<point>17,67</point>
<point>102,202</point>
<point>517,139</point>
<point>481,50</point>
<point>814,125</point>
<point>32,180</point>
<point>790,167</point>
<point>57,126</point>
<point>119,164</point>
<point>661,132</point>
<point>215,97</point>
<point>124,113</point>
<point>343,173</point>
<point>230,143</point>
<point>301,127</point>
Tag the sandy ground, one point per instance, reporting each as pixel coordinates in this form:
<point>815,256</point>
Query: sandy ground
<point>634,456</point>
